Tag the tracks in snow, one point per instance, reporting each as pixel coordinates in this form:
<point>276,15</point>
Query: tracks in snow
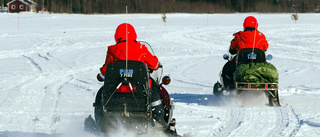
<point>285,122</point>
<point>236,119</point>
<point>282,121</point>
<point>46,95</point>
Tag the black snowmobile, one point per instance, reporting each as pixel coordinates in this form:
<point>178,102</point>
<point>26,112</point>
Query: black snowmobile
<point>228,82</point>
<point>126,99</point>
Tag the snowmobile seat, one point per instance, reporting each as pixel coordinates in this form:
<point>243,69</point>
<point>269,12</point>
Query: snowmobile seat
<point>135,96</point>
<point>249,55</point>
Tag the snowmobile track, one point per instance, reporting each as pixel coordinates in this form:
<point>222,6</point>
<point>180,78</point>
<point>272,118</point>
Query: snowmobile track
<point>282,122</point>
<point>236,119</point>
<point>282,125</point>
<point>298,122</point>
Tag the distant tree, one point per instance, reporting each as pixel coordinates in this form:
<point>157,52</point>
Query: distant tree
<point>294,17</point>
<point>2,4</point>
<point>172,6</point>
<point>164,17</point>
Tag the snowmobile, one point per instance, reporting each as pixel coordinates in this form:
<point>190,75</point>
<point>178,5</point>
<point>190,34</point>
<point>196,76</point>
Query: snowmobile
<point>230,84</point>
<point>125,100</point>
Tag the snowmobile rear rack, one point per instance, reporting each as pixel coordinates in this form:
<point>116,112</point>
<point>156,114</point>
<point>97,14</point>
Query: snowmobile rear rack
<point>271,90</point>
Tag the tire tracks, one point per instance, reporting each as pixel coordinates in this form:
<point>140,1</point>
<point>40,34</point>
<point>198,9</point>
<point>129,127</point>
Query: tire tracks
<point>282,122</point>
<point>236,119</point>
<point>287,122</point>
<point>33,63</point>
<point>298,122</point>
<point>46,89</point>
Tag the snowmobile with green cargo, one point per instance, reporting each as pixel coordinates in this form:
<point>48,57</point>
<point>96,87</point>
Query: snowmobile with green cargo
<point>252,73</point>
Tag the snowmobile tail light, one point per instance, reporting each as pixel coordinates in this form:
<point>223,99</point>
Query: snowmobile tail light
<point>166,80</point>
<point>127,89</point>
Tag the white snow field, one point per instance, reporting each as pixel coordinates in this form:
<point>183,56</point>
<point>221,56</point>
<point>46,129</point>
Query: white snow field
<point>49,64</point>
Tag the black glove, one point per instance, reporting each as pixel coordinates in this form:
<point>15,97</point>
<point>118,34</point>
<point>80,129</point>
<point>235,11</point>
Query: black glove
<point>150,70</point>
<point>232,51</point>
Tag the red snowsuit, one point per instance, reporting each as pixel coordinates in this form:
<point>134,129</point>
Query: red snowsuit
<point>246,39</point>
<point>128,48</point>
<point>136,51</point>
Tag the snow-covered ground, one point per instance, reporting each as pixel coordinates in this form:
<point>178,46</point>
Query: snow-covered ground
<point>49,64</point>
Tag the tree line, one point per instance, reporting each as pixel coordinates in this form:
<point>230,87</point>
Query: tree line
<point>174,6</point>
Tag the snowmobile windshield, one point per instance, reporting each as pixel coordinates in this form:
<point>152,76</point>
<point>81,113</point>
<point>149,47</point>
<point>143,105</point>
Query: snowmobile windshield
<point>156,74</point>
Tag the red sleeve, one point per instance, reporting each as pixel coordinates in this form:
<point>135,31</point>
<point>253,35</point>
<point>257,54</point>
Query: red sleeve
<point>266,44</point>
<point>152,61</point>
<point>109,59</point>
<point>103,68</point>
<point>234,41</point>
<point>262,43</point>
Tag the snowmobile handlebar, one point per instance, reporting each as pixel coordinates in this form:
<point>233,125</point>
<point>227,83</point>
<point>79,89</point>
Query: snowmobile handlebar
<point>226,57</point>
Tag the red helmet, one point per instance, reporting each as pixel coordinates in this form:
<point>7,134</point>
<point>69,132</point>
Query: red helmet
<point>122,30</point>
<point>250,22</point>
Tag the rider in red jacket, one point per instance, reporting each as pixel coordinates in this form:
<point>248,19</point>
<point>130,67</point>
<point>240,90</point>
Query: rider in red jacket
<point>127,48</point>
<point>249,38</point>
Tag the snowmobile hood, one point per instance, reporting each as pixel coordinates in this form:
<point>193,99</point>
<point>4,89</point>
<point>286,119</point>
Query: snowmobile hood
<point>125,31</point>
